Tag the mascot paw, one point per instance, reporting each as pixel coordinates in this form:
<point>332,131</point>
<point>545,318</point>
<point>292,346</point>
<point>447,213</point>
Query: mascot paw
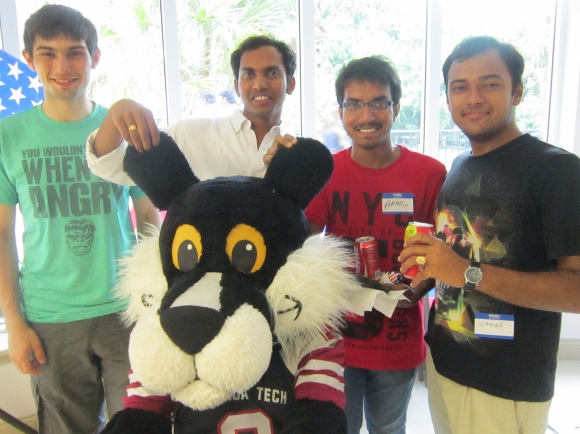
<point>137,421</point>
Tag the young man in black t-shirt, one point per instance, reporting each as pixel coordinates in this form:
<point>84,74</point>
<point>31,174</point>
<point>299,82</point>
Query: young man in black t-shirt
<point>506,256</point>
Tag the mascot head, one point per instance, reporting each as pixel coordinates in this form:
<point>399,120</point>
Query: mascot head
<point>230,273</point>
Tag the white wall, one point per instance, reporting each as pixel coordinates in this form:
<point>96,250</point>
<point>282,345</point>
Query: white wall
<point>564,126</point>
<point>15,394</point>
<point>570,326</point>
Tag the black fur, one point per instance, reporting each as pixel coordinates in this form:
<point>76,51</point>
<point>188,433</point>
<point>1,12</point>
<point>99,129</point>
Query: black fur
<point>299,173</point>
<point>163,173</point>
<point>212,210</point>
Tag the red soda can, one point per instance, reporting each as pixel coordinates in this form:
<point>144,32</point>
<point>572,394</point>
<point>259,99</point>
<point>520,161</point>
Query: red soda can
<point>412,229</point>
<point>366,257</point>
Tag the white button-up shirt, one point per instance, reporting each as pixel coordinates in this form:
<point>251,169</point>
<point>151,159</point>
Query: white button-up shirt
<point>223,146</point>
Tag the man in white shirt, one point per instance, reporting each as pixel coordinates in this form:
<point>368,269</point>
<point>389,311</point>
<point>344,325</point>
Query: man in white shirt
<point>263,68</point>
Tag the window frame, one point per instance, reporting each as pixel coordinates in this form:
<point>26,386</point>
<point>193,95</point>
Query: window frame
<point>564,100</point>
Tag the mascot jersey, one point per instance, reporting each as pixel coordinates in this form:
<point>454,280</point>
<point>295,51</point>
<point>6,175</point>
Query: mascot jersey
<point>264,407</point>
<point>515,207</point>
<point>76,224</point>
<point>357,202</point>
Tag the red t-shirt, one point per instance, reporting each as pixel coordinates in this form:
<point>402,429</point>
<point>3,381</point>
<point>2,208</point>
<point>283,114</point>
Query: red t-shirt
<point>357,202</point>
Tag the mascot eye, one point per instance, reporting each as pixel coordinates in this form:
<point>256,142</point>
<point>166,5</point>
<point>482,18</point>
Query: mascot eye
<point>246,248</point>
<point>186,249</point>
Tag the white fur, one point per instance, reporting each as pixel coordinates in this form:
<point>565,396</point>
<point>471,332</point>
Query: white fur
<point>158,363</point>
<point>141,277</point>
<point>233,362</point>
<point>201,396</point>
<point>321,265</point>
<point>240,354</point>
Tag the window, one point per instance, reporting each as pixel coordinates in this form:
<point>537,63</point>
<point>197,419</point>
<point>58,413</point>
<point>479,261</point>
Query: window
<point>531,33</point>
<point>393,29</point>
<point>208,31</point>
<point>171,53</point>
<point>136,64</point>
<point>166,53</point>
<point>130,39</point>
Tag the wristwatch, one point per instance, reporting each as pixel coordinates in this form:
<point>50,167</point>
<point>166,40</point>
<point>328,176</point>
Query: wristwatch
<point>472,275</point>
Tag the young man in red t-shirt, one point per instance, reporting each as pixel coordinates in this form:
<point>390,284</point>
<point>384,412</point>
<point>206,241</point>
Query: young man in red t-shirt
<point>376,189</point>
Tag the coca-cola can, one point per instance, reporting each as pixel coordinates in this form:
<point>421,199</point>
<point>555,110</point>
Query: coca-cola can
<point>366,257</point>
<point>412,229</point>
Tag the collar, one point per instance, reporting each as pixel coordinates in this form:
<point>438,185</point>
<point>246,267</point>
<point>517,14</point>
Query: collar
<point>239,121</point>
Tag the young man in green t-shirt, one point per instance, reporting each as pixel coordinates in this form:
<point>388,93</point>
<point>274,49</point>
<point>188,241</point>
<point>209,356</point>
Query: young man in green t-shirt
<point>61,314</point>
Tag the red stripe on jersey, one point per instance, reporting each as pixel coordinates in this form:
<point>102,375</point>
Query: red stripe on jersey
<point>143,399</point>
<point>320,375</point>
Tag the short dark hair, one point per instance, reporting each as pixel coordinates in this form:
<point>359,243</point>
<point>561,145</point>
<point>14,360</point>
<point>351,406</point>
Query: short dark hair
<point>476,45</point>
<point>373,69</point>
<point>51,21</point>
<point>254,42</point>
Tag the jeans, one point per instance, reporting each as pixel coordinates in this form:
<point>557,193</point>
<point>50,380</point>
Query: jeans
<point>385,395</point>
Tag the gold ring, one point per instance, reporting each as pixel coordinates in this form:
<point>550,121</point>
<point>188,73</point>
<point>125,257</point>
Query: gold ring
<point>132,127</point>
<point>421,260</point>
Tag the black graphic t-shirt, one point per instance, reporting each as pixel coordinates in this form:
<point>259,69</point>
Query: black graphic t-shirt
<point>515,207</point>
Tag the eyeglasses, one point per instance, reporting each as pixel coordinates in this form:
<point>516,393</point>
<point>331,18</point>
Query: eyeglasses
<point>380,105</point>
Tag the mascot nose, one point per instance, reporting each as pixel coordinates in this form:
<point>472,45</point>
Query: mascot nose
<point>191,327</point>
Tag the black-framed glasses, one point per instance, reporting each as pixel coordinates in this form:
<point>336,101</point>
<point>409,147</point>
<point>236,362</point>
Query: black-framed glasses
<point>379,105</point>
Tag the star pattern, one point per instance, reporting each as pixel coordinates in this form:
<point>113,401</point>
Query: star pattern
<point>20,88</point>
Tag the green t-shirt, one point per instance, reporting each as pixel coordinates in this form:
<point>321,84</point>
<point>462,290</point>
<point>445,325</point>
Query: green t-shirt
<point>76,225</point>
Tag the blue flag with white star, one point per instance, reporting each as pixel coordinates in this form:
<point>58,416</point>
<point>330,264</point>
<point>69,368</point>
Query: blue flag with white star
<point>20,88</point>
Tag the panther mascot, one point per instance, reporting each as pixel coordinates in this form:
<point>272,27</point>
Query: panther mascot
<point>236,311</point>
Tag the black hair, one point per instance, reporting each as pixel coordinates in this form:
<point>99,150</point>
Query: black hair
<point>373,69</point>
<point>254,42</point>
<point>51,21</point>
<point>476,45</point>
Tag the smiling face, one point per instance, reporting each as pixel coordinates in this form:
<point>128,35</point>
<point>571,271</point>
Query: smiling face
<point>63,67</point>
<point>262,84</point>
<point>368,129</point>
<point>481,99</point>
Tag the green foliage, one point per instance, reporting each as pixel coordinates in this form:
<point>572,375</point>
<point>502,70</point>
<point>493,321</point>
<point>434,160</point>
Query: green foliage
<point>210,29</point>
<point>372,27</point>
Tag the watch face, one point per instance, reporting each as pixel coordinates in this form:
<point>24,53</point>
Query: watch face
<point>473,275</point>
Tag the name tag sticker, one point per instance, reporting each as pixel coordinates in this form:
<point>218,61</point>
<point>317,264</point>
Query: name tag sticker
<point>397,203</point>
<point>494,326</point>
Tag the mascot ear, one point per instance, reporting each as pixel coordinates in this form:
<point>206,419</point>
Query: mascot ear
<point>298,173</point>
<point>163,173</point>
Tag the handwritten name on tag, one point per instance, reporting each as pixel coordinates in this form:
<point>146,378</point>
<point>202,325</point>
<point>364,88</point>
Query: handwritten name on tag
<point>397,203</point>
<point>494,326</point>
